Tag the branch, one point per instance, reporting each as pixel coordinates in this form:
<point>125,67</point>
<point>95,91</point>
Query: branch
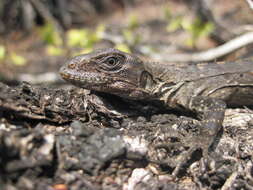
<point>55,105</point>
<point>211,54</point>
<point>250,2</point>
<point>60,106</point>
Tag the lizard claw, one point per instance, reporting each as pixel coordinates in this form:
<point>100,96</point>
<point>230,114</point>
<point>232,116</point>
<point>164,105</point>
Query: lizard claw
<point>182,149</point>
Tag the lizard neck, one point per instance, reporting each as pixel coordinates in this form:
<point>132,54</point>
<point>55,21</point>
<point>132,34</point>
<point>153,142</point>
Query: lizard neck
<point>151,83</point>
<point>160,89</point>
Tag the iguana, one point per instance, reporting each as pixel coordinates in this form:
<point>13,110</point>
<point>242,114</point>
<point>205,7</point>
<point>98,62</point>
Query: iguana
<point>203,89</point>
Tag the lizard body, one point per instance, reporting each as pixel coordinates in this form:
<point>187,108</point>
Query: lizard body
<point>136,79</point>
<point>204,89</point>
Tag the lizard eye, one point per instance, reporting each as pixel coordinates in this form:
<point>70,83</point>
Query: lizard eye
<point>112,63</point>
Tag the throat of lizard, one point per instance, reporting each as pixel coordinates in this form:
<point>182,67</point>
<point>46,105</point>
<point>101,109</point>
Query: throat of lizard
<point>158,90</point>
<point>165,91</point>
<point>147,82</point>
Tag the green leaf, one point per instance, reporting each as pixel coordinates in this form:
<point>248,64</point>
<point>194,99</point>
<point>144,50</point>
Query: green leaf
<point>50,34</point>
<point>197,29</point>
<point>100,31</point>
<point>123,47</point>
<point>84,51</point>
<point>84,38</point>
<point>128,35</point>
<point>131,37</point>
<point>133,22</point>
<point>207,29</point>
<point>77,37</point>
<point>190,42</point>
<point>54,50</point>
<point>167,13</point>
<point>175,24</point>
<point>2,52</point>
<point>17,59</point>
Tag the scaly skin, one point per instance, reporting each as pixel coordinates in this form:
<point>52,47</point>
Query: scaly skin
<point>204,89</point>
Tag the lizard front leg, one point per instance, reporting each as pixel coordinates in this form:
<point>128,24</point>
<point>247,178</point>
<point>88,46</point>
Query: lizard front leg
<point>210,111</point>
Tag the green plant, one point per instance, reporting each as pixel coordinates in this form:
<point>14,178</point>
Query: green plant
<point>54,50</point>
<point>2,52</point>
<point>131,37</point>
<point>133,22</point>
<point>50,35</point>
<point>52,38</point>
<point>11,57</point>
<point>197,29</point>
<point>167,13</point>
<point>123,47</point>
<point>84,38</point>
<point>175,24</point>
<point>17,59</point>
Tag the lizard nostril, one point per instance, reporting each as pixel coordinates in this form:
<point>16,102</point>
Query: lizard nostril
<point>71,65</point>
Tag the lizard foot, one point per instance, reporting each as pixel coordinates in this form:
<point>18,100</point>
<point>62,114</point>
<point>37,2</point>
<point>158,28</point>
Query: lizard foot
<point>181,147</point>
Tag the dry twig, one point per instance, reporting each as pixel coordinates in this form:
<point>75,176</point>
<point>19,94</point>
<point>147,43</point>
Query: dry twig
<point>210,54</point>
<point>250,2</point>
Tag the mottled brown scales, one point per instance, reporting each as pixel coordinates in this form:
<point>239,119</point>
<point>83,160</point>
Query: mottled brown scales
<point>203,88</point>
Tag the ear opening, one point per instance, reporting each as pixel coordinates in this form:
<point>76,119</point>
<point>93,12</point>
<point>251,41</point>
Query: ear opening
<point>146,80</point>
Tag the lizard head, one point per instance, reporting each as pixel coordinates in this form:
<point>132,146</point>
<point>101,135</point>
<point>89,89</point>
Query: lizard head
<point>110,71</point>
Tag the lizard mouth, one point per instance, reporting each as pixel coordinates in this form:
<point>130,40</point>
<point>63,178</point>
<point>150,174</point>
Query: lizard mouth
<point>90,80</point>
<point>82,79</point>
<point>108,84</point>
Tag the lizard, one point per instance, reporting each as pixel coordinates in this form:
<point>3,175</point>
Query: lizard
<point>205,89</point>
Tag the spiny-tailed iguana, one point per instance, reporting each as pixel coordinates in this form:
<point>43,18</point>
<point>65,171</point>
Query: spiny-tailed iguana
<point>204,88</point>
